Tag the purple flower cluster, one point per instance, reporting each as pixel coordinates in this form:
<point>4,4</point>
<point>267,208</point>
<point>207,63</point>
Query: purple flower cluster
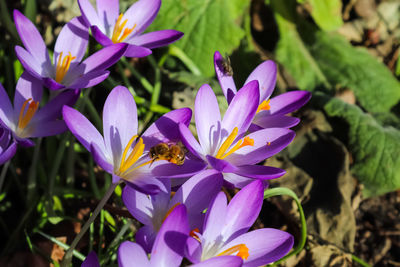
<point>172,180</point>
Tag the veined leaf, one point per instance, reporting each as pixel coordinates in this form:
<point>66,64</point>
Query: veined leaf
<point>208,25</point>
<point>375,149</point>
<point>327,13</point>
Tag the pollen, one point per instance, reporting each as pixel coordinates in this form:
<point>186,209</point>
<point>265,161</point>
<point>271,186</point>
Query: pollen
<point>240,250</point>
<point>25,117</point>
<point>63,66</point>
<point>117,37</point>
<point>247,141</point>
<point>264,105</point>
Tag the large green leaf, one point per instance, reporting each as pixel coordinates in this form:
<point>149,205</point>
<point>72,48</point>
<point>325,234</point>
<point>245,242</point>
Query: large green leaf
<point>327,13</point>
<point>375,149</point>
<point>208,25</point>
<point>315,58</point>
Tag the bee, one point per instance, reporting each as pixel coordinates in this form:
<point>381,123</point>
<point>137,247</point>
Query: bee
<point>173,153</point>
<point>226,65</point>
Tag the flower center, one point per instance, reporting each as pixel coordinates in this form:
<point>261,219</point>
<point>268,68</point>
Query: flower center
<point>264,106</point>
<point>63,66</point>
<point>25,117</point>
<point>242,251</point>
<point>117,37</point>
<point>127,162</point>
<point>247,141</point>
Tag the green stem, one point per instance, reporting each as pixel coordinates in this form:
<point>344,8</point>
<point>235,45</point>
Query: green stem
<point>177,52</point>
<point>3,173</point>
<point>286,191</point>
<point>31,186</point>
<point>145,83</point>
<point>56,164</point>
<point>92,179</point>
<point>157,84</point>
<point>68,255</point>
<point>359,261</point>
<point>70,162</point>
<point>94,114</point>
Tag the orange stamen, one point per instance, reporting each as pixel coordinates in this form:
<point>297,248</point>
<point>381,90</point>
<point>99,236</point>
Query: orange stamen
<point>63,66</point>
<point>194,235</point>
<point>247,141</point>
<point>242,251</point>
<point>116,38</point>
<point>25,117</point>
<point>264,106</point>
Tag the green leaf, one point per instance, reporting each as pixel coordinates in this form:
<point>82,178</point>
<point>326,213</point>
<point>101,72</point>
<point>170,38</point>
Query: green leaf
<point>375,149</point>
<point>327,13</point>
<point>208,25</point>
<point>319,59</point>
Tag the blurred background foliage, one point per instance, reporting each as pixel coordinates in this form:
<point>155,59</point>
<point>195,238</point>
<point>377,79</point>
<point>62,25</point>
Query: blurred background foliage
<point>344,163</point>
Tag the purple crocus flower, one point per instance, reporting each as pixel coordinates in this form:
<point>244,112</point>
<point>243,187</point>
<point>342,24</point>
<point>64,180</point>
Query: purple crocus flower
<point>222,142</point>
<point>225,231</point>
<point>7,146</point>
<point>91,260</point>
<point>66,69</point>
<point>270,112</point>
<point>26,119</point>
<point>109,27</point>
<point>168,246</point>
<point>195,194</point>
<point>121,152</point>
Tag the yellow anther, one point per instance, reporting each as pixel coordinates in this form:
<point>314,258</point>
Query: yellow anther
<point>268,143</point>
<point>264,106</point>
<point>116,36</point>
<point>25,117</point>
<point>247,141</point>
<point>194,235</point>
<point>63,66</point>
<point>242,251</point>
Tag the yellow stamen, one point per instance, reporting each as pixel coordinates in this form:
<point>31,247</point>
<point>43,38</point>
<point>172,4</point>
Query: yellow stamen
<point>247,141</point>
<point>170,210</point>
<point>268,143</point>
<point>242,251</point>
<point>63,66</point>
<point>24,119</point>
<point>116,38</point>
<point>264,106</point>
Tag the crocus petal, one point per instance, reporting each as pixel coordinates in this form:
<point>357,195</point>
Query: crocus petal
<point>27,87</point>
<point>260,172</point>
<point>89,14</point>
<point>267,142</point>
<point>242,109</point>
<point>46,128</point>
<point>193,250</point>
<point>289,102</point>
<point>119,120</point>
<point>145,237</point>
<point>83,129</point>
<point>170,170</point>
<point>145,182</point>
<point>104,58</point>
<point>100,37</point>
<point>131,254</point>
<point>31,39</point>
<point>221,261</point>
<point>108,11</point>
<point>8,153</point>
<point>275,121</point>
<point>138,204</point>
<point>225,80</point>
<point>137,51</point>
<point>91,260</point>
<point>52,84</point>
<point>265,245</point>
<point>90,79</point>
<point>6,109</point>
<point>265,74</point>
<point>205,184</point>
<point>189,141</point>
<point>156,39</point>
<point>29,63</point>
<point>241,217</point>
<point>53,109</point>
<point>220,164</point>
<point>102,160</point>
<point>142,13</point>
<point>214,222</point>
<point>208,118</point>
<point>166,129</point>
<point>236,181</point>
<point>169,245</point>
<point>73,39</point>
